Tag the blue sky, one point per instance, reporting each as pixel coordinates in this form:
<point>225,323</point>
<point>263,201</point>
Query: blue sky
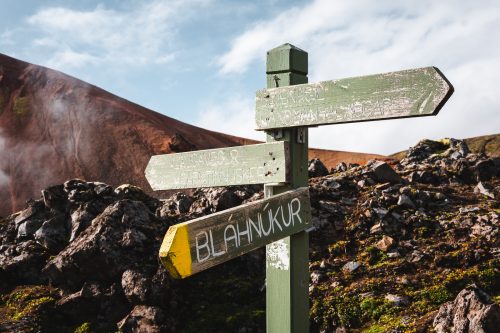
<point>201,61</point>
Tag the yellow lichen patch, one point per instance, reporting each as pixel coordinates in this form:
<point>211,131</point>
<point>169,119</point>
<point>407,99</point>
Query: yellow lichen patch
<point>445,141</point>
<point>83,328</point>
<point>175,253</point>
<point>26,300</point>
<point>22,106</point>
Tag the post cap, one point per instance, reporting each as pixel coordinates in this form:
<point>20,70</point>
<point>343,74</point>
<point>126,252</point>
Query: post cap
<point>286,58</point>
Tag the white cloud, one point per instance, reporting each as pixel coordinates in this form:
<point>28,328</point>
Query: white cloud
<point>355,38</point>
<point>141,36</point>
<point>235,116</point>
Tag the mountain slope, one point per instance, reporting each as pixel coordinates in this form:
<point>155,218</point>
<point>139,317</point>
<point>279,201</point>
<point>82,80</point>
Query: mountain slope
<point>55,127</point>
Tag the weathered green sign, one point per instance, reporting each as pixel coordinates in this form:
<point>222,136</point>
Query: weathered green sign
<point>252,164</point>
<point>194,246</point>
<point>408,93</point>
<point>285,110</point>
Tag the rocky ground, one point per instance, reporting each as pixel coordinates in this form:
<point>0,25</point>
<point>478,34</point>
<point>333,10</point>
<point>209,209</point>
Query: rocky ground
<point>411,247</point>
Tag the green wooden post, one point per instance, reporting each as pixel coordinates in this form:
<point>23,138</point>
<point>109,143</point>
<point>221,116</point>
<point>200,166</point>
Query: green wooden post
<point>287,260</point>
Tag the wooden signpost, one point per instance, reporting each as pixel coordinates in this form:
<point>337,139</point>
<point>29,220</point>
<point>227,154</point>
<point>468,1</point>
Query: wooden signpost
<point>280,220</point>
<point>194,246</point>
<point>409,93</point>
<point>252,164</point>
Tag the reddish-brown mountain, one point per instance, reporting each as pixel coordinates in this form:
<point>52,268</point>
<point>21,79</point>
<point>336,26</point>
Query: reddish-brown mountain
<point>54,127</point>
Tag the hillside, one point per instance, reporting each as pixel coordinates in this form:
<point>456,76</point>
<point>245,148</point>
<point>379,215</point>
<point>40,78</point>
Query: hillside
<point>55,127</point>
<point>486,144</point>
<point>410,249</point>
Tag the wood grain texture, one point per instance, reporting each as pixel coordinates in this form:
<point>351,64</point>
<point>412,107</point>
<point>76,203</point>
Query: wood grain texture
<point>287,286</point>
<point>408,93</point>
<point>199,244</point>
<point>252,164</point>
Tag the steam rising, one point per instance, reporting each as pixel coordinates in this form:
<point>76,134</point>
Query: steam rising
<point>4,178</point>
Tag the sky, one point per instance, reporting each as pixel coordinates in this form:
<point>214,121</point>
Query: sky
<point>201,61</point>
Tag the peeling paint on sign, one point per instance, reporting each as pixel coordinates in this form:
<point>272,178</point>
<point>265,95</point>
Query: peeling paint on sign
<point>278,255</point>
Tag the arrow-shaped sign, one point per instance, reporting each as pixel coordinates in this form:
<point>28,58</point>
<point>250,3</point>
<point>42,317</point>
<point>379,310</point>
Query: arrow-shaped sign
<point>241,165</point>
<point>196,245</point>
<point>408,93</point>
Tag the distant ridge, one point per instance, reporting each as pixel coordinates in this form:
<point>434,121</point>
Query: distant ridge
<point>487,144</point>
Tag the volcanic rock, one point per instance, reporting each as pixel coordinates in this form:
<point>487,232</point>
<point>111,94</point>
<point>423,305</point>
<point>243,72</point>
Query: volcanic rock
<point>484,189</point>
<point>53,234</point>
<point>471,311</point>
<point>351,266</point>
<point>485,169</point>
<point>100,251</point>
<point>317,168</point>
<point>108,271</point>
<point>136,286</point>
<point>147,319</point>
<point>383,172</point>
<point>385,243</point>
<point>397,300</point>
<point>405,201</point>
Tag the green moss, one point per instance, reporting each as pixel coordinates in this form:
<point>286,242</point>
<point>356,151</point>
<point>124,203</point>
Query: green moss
<point>374,256</point>
<point>422,307</point>
<point>26,300</point>
<point>388,323</point>
<point>22,106</point>
<point>374,308</point>
<point>338,248</point>
<point>487,276</point>
<point>489,279</point>
<point>376,328</point>
<point>83,328</point>
<point>338,308</point>
<point>423,232</point>
<point>436,295</point>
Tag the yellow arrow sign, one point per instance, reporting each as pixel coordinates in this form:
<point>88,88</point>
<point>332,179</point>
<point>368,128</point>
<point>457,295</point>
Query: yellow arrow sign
<point>196,245</point>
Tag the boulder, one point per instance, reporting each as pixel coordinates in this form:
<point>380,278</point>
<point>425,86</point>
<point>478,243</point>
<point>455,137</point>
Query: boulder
<point>383,172</point>
<point>317,168</point>
<point>22,263</point>
<point>341,167</point>
<point>405,201</point>
<point>53,234</point>
<point>55,197</point>
<point>472,311</point>
<point>183,203</point>
<point>222,199</point>
<point>385,243</point>
<point>351,266</point>
<point>81,219</point>
<point>397,300</point>
<point>485,170</point>
<point>100,251</point>
<point>459,148</point>
<point>146,319</point>
<point>28,228</point>
<point>423,149</point>
<point>484,189</point>
<point>135,193</point>
<point>136,286</point>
